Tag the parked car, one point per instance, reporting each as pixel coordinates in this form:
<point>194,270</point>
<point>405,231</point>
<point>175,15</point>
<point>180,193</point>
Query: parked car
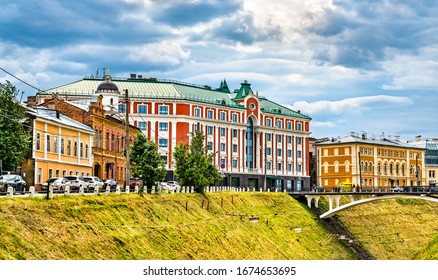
<point>12,180</point>
<point>57,183</point>
<point>111,183</point>
<point>172,185</point>
<point>133,182</point>
<point>77,182</point>
<point>397,189</point>
<point>93,181</point>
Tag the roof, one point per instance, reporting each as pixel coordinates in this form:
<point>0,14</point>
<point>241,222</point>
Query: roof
<point>365,140</point>
<point>55,116</point>
<point>152,88</point>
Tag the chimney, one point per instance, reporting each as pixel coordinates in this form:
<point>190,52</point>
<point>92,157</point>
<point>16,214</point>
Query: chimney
<point>418,138</point>
<point>382,136</point>
<point>32,101</point>
<point>364,136</point>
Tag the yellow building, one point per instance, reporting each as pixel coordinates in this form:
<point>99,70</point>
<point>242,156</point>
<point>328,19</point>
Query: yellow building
<point>61,146</point>
<point>369,163</point>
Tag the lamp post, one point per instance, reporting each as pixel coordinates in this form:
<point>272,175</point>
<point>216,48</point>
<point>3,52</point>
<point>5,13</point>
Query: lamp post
<point>127,141</point>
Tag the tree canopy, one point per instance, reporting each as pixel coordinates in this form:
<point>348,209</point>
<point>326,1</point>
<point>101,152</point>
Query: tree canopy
<point>194,165</point>
<point>146,162</point>
<point>14,138</point>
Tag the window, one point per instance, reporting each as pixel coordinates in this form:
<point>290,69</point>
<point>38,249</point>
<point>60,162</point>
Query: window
<point>81,150</point>
<point>268,151</point>
<point>163,110</point>
<point>234,148</point>
<point>69,147</point>
<point>299,154</point>
<point>289,125</point>
<point>142,109</point>
<point>86,150</point>
<point>57,173</point>
<point>268,136</point>
<point>48,142</point>
<point>62,145</point>
<point>223,116</point>
<point>299,167</point>
<point>299,126</point>
<point>268,122</point>
<point>278,152</point>
<point>75,149</point>
<point>40,175</point>
<point>210,146</point>
<point>222,162</point>
<point>279,166</point>
<point>209,130</point>
<point>210,114</point>
<point>299,140</point>
<point>289,139</point>
<point>234,133</point>
<point>142,125</point>
<point>197,112</point>
<point>64,173</point>
<point>289,153</point>
<point>223,147</point>
<point>163,126</point>
<point>269,165</point>
<point>162,142</point>
<point>289,167</point>
<point>122,108</point>
<point>50,173</point>
<point>222,131</point>
<point>279,137</point>
<point>279,124</point>
<point>378,152</point>
<point>234,117</point>
<point>38,141</point>
<point>55,145</point>
<point>234,163</point>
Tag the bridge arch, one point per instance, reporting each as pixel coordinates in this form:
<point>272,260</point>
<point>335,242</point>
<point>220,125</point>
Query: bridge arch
<point>336,210</point>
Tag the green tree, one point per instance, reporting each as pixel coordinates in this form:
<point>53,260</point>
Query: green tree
<point>14,138</point>
<point>146,162</point>
<point>194,165</point>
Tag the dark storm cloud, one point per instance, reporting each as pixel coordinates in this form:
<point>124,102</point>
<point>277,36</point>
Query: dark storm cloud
<point>360,32</point>
<point>185,13</point>
<point>53,23</point>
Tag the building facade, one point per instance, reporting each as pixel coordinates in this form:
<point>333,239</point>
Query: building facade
<point>369,163</point>
<point>61,146</point>
<point>257,142</point>
<point>109,142</point>
<point>430,147</point>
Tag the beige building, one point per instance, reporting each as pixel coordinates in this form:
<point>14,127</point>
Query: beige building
<point>369,163</point>
<point>61,146</point>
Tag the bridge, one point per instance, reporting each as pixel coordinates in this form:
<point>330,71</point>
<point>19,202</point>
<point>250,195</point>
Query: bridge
<point>357,198</point>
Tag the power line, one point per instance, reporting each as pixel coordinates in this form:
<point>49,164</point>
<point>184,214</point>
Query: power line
<point>24,82</point>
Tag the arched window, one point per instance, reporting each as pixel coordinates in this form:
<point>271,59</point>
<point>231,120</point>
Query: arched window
<point>397,169</point>
<point>249,143</point>
<point>391,169</point>
<point>336,167</point>
<point>385,169</point>
<point>347,166</point>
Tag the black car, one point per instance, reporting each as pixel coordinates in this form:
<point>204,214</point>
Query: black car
<point>12,180</point>
<point>111,183</point>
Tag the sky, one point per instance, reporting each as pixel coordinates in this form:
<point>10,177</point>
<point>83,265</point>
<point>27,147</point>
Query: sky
<point>352,66</point>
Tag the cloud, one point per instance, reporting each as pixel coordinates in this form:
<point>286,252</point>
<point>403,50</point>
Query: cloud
<point>352,106</point>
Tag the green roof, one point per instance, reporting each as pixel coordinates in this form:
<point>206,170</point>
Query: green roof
<point>153,88</point>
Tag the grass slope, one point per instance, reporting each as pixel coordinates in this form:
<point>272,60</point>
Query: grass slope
<point>168,227</point>
<point>394,229</point>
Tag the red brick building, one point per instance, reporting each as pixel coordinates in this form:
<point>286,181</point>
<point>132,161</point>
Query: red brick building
<point>257,142</point>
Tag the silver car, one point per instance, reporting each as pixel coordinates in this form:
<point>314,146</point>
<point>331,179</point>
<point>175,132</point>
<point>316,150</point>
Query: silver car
<point>93,181</point>
<point>57,184</point>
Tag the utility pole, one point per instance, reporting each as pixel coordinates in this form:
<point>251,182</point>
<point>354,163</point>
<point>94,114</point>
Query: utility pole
<point>127,149</point>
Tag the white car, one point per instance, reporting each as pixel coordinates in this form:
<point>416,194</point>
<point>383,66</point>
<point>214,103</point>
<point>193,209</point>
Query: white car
<point>77,182</point>
<point>172,185</point>
<point>93,181</point>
